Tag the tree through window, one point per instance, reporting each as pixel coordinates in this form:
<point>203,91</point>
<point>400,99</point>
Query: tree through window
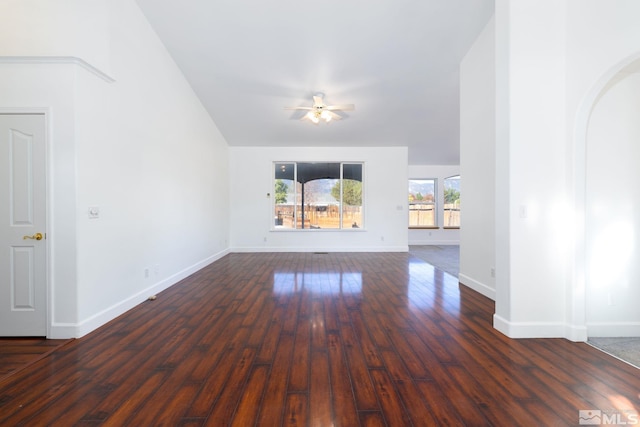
<point>452,202</point>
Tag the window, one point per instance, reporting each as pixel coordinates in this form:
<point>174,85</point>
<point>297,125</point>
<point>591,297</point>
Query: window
<point>452,202</point>
<point>422,203</point>
<point>317,195</point>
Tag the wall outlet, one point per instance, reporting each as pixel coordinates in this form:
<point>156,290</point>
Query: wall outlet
<point>493,272</point>
<point>146,273</point>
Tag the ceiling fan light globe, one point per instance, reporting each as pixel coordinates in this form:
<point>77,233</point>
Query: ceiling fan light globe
<point>311,116</point>
<point>319,111</point>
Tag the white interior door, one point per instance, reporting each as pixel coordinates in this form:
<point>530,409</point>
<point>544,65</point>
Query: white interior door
<point>23,261</point>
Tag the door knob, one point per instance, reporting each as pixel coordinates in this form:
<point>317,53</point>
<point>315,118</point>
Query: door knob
<point>37,236</point>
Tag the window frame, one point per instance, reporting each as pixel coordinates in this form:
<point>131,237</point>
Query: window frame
<point>444,209</point>
<point>296,191</point>
<point>434,209</point>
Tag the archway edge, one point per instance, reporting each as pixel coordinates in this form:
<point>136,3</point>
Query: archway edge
<point>579,330</point>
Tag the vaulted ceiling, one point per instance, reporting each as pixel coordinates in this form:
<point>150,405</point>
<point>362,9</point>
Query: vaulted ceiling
<point>397,61</point>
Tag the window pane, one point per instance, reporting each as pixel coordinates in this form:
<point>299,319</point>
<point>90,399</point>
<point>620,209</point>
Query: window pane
<point>320,208</point>
<point>310,195</point>
<point>284,195</point>
<point>352,196</point>
<point>317,207</point>
<point>422,206</point>
<point>452,201</point>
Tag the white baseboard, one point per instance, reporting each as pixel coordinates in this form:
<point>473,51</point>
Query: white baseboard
<point>613,329</point>
<point>480,287</point>
<point>67,330</point>
<point>62,331</point>
<point>539,329</point>
<point>309,249</point>
<point>576,333</point>
<point>528,329</point>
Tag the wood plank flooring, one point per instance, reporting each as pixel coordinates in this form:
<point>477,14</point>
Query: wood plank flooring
<point>301,339</point>
<point>18,353</point>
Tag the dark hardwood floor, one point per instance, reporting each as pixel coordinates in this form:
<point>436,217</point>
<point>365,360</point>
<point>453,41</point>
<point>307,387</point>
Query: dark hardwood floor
<point>375,339</point>
<point>19,353</point>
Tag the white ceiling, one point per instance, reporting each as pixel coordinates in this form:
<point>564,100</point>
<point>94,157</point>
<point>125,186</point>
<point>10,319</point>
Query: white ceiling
<point>397,61</point>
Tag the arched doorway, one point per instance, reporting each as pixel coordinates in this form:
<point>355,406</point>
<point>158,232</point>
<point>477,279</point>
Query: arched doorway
<point>608,197</point>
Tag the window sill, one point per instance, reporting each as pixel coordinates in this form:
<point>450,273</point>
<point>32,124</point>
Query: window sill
<point>316,230</point>
<point>452,228</point>
<point>424,228</point>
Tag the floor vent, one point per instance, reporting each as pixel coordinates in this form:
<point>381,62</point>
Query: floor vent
<point>321,253</point>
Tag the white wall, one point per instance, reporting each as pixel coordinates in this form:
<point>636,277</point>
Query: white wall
<point>534,176</point>
<point>385,187</point>
<point>477,164</point>
<point>141,148</point>
<point>611,33</point>
<point>553,58</point>
<point>61,28</point>
<point>613,211</point>
<point>439,236</point>
<point>46,88</point>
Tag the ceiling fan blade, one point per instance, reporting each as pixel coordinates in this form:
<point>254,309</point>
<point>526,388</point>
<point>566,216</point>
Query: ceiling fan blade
<point>333,115</point>
<point>317,100</point>
<point>298,108</point>
<point>345,107</point>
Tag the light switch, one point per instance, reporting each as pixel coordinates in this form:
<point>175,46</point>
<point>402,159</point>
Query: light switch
<point>94,212</point>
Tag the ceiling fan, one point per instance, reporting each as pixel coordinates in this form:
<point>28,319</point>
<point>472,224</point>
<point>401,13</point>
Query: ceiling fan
<point>320,111</point>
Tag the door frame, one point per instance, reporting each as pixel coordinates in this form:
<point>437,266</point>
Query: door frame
<point>46,113</point>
